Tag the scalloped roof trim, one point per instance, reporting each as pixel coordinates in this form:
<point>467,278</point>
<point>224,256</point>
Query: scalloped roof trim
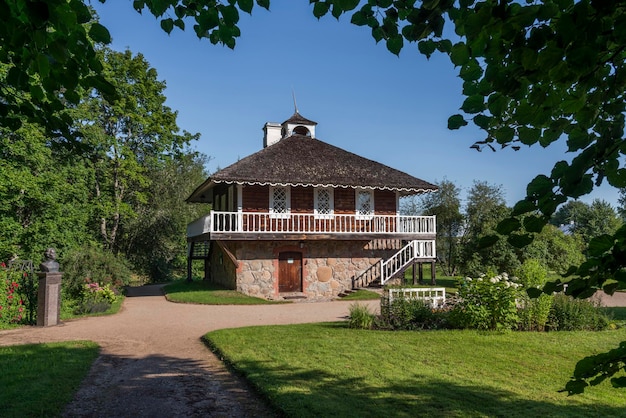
<point>343,186</point>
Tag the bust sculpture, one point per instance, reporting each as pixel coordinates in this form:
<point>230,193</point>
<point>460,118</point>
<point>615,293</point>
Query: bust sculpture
<point>50,264</point>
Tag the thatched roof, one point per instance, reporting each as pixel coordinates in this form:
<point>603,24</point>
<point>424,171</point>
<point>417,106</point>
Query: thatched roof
<point>303,161</point>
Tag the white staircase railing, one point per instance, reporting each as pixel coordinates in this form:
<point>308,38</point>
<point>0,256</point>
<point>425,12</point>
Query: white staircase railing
<point>413,250</point>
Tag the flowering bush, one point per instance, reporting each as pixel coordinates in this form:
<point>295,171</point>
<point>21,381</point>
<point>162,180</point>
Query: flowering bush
<point>11,303</point>
<point>487,303</point>
<point>95,298</point>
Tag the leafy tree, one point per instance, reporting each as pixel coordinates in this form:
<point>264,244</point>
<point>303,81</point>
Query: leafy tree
<point>555,250</point>
<point>446,205</point>
<point>126,138</point>
<point>588,221</point>
<point>43,195</point>
<point>46,56</point>
<point>154,239</point>
<point>484,209</point>
<point>569,214</point>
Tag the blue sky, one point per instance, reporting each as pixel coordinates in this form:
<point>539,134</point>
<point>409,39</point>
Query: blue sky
<point>365,100</point>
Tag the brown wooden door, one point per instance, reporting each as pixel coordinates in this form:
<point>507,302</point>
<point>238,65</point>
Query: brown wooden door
<point>290,272</point>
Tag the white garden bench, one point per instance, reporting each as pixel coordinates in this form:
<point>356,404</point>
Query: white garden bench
<point>434,296</point>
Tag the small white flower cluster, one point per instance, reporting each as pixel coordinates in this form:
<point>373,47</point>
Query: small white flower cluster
<point>502,277</point>
<point>508,281</point>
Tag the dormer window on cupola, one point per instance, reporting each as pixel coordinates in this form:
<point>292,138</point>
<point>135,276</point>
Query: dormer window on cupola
<point>295,125</point>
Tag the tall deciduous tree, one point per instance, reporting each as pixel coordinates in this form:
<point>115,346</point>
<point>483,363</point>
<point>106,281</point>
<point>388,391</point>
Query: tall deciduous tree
<point>44,198</point>
<point>485,207</point>
<point>126,138</point>
<point>446,205</point>
<point>588,221</point>
<point>154,239</point>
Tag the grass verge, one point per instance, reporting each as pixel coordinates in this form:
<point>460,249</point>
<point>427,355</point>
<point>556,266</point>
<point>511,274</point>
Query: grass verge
<point>362,294</point>
<point>207,293</point>
<point>329,370</point>
<point>38,380</point>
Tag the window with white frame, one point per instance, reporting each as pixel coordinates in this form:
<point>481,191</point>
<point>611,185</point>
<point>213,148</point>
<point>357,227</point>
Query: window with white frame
<point>364,203</point>
<point>280,201</point>
<point>324,205</point>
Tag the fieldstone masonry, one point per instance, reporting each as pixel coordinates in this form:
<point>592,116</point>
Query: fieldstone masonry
<point>328,267</point>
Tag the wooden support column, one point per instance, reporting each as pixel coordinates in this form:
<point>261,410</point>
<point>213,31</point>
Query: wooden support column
<point>421,268</point>
<point>414,273</point>
<point>433,279</point>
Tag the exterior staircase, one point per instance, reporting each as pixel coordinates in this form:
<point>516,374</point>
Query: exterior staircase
<point>385,270</point>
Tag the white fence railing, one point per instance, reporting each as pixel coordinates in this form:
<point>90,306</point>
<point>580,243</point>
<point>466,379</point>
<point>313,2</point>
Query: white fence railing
<point>434,296</point>
<point>413,250</point>
<point>308,223</point>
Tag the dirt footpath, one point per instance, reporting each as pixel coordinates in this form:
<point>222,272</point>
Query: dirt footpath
<point>153,363</point>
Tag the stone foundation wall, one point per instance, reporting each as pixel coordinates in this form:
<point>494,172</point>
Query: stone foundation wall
<point>328,267</point>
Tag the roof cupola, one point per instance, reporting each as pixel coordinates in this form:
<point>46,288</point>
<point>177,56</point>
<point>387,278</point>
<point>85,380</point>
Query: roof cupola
<point>295,125</point>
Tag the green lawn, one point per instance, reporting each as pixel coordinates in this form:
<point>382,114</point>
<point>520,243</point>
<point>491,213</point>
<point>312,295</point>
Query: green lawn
<point>327,369</point>
<point>39,380</point>
<point>362,294</point>
<point>202,292</point>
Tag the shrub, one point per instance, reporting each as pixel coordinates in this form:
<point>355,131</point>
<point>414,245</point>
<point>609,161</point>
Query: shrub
<point>410,314</point>
<point>569,314</point>
<point>95,298</point>
<point>96,265</point>
<point>18,296</point>
<point>11,306</point>
<point>360,317</point>
<point>487,303</point>
<point>533,313</point>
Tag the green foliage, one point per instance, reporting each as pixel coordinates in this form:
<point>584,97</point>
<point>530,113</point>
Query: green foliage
<point>44,200</point>
<point>18,297</point>
<point>446,205</point>
<point>95,298</point>
<point>11,304</point>
<point>92,264</point>
<point>533,312</point>
<point>154,240</point>
<point>127,141</point>
<point>360,316</point>
<point>47,55</point>
<point>555,250</point>
<point>569,314</point>
<point>409,314</point>
<point>485,208</point>
<point>487,303</point>
<point>587,221</point>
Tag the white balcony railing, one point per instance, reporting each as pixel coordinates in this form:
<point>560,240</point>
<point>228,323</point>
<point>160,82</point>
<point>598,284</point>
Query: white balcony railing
<point>308,223</point>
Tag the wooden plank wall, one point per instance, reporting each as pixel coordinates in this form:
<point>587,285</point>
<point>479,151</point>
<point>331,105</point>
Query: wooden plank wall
<point>257,198</point>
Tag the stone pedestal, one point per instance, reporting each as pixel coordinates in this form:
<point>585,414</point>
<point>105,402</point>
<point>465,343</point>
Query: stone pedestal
<point>49,299</point>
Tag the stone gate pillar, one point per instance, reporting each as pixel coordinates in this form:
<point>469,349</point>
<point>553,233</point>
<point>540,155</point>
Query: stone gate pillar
<point>49,292</point>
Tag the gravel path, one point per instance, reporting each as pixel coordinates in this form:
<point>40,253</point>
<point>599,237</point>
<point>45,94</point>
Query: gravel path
<point>152,362</point>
